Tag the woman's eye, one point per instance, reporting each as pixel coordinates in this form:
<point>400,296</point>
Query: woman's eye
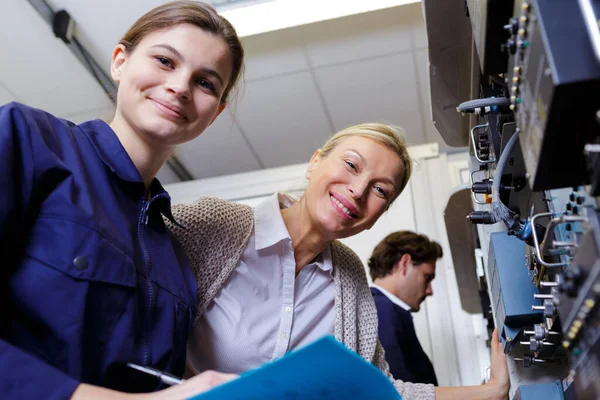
<point>351,165</point>
<point>382,191</point>
<point>206,84</point>
<point>164,61</point>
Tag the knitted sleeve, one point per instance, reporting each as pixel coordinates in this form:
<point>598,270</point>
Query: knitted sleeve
<point>213,233</point>
<point>408,391</point>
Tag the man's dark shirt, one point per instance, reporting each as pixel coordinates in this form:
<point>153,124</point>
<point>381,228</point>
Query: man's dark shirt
<point>403,352</point>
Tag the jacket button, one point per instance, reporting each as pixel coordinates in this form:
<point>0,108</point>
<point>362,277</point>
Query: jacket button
<point>80,262</point>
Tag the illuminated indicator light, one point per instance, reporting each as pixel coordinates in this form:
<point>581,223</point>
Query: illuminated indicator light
<point>518,100</point>
<point>577,323</point>
<point>517,69</point>
<point>524,19</point>
<point>515,79</point>
<point>522,32</point>
<point>513,99</point>
<point>566,344</point>
<point>576,351</point>
<point>512,107</point>
<point>525,6</point>
<point>571,335</point>
<point>525,44</point>
<point>590,303</point>
<point>574,329</point>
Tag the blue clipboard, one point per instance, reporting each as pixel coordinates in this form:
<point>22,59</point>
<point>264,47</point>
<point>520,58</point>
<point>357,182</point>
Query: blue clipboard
<point>324,370</point>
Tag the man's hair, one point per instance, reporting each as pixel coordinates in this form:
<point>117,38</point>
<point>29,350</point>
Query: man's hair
<point>389,251</point>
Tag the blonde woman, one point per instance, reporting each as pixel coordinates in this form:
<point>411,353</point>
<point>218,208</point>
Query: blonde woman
<point>275,278</point>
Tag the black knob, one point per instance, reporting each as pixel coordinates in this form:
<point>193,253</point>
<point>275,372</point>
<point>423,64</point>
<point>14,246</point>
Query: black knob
<point>572,197</point>
<point>481,217</point>
<point>511,46</point>
<point>484,187</point>
<point>575,209</point>
<point>580,200</point>
<point>569,206</point>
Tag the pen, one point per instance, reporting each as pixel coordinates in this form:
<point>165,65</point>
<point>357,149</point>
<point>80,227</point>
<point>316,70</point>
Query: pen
<point>166,378</point>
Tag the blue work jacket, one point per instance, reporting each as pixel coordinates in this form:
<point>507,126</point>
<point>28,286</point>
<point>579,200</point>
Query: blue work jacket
<point>89,273</point>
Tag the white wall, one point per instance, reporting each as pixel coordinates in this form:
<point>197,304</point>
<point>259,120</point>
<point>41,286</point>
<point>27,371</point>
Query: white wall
<point>453,339</point>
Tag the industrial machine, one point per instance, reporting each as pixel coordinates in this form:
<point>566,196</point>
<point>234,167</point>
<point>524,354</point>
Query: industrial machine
<point>528,107</point>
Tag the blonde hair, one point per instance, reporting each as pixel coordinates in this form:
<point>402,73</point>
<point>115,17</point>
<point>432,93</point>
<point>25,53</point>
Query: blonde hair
<point>390,136</point>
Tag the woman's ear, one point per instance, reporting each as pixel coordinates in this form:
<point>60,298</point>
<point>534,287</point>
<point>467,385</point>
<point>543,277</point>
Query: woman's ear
<point>314,160</point>
<point>219,111</point>
<point>119,56</point>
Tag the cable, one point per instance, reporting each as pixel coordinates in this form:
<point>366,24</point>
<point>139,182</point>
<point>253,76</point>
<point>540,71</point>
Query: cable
<point>110,92</point>
<point>483,106</point>
<point>500,211</point>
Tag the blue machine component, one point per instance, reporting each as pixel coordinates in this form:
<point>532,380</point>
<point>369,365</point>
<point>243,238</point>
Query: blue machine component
<point>511,288</point>
<point>540,391</point>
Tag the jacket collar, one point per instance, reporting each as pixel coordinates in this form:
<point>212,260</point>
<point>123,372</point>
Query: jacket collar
<point>110,150</point>
<point>115,157</point>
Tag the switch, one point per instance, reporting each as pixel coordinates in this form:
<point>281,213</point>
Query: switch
<point>512,26</point>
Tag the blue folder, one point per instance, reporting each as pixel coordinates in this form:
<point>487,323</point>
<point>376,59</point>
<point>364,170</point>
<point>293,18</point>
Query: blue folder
<point>323,370</point>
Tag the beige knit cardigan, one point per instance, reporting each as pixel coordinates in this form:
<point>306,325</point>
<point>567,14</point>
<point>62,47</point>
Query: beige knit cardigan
<point>215,236</point>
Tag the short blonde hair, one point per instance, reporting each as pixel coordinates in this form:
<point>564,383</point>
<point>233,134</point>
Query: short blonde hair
<point>390,136</point>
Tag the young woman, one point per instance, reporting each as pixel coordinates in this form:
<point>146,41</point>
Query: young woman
<point>275,278</point>
<point>90,275</point>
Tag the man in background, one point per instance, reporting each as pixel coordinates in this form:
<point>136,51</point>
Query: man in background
<point>402,267</point>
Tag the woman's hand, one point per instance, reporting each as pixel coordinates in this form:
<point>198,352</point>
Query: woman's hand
<point>191,387</point>
<point>198,384</point>
<point>499,377</point>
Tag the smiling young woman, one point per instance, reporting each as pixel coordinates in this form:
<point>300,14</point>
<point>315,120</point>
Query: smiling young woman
<point>90,275</point>
<point>275,278</point>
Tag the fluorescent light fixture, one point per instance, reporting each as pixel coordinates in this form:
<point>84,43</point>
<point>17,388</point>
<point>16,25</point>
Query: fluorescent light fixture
<point>280,14</point>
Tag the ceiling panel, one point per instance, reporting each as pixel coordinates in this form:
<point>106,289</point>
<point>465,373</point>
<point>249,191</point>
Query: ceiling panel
<point>100,24</point>
<point>418,25</point>
<point>376,90</point>
<point>359,36</point>
<point>220,150</point>
<point>39,68</point>
<point>5,95</point>
<point>283,118</point>
<point>273,54</point>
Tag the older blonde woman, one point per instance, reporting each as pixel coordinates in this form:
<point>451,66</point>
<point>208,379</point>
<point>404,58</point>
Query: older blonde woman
<point>275,278</point>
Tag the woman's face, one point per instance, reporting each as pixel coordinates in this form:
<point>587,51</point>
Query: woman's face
<point>171,85</point>
<point>352,186</point>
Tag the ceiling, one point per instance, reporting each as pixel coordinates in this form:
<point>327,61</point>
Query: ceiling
<point>301,84</point>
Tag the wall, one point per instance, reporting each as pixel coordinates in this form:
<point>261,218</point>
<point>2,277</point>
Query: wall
<point>453,339</point>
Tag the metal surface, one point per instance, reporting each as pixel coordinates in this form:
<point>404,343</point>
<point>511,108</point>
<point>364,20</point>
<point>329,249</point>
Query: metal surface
<point>453,67</point>
<point>511,287</point>
<point>462,247</point>
<point>474,144</point>
<point>544,391</point>
<point>555,74</point>
<point>591,15</point>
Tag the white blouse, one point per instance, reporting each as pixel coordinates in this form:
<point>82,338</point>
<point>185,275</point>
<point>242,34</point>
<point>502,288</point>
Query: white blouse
<point>264,310</point>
